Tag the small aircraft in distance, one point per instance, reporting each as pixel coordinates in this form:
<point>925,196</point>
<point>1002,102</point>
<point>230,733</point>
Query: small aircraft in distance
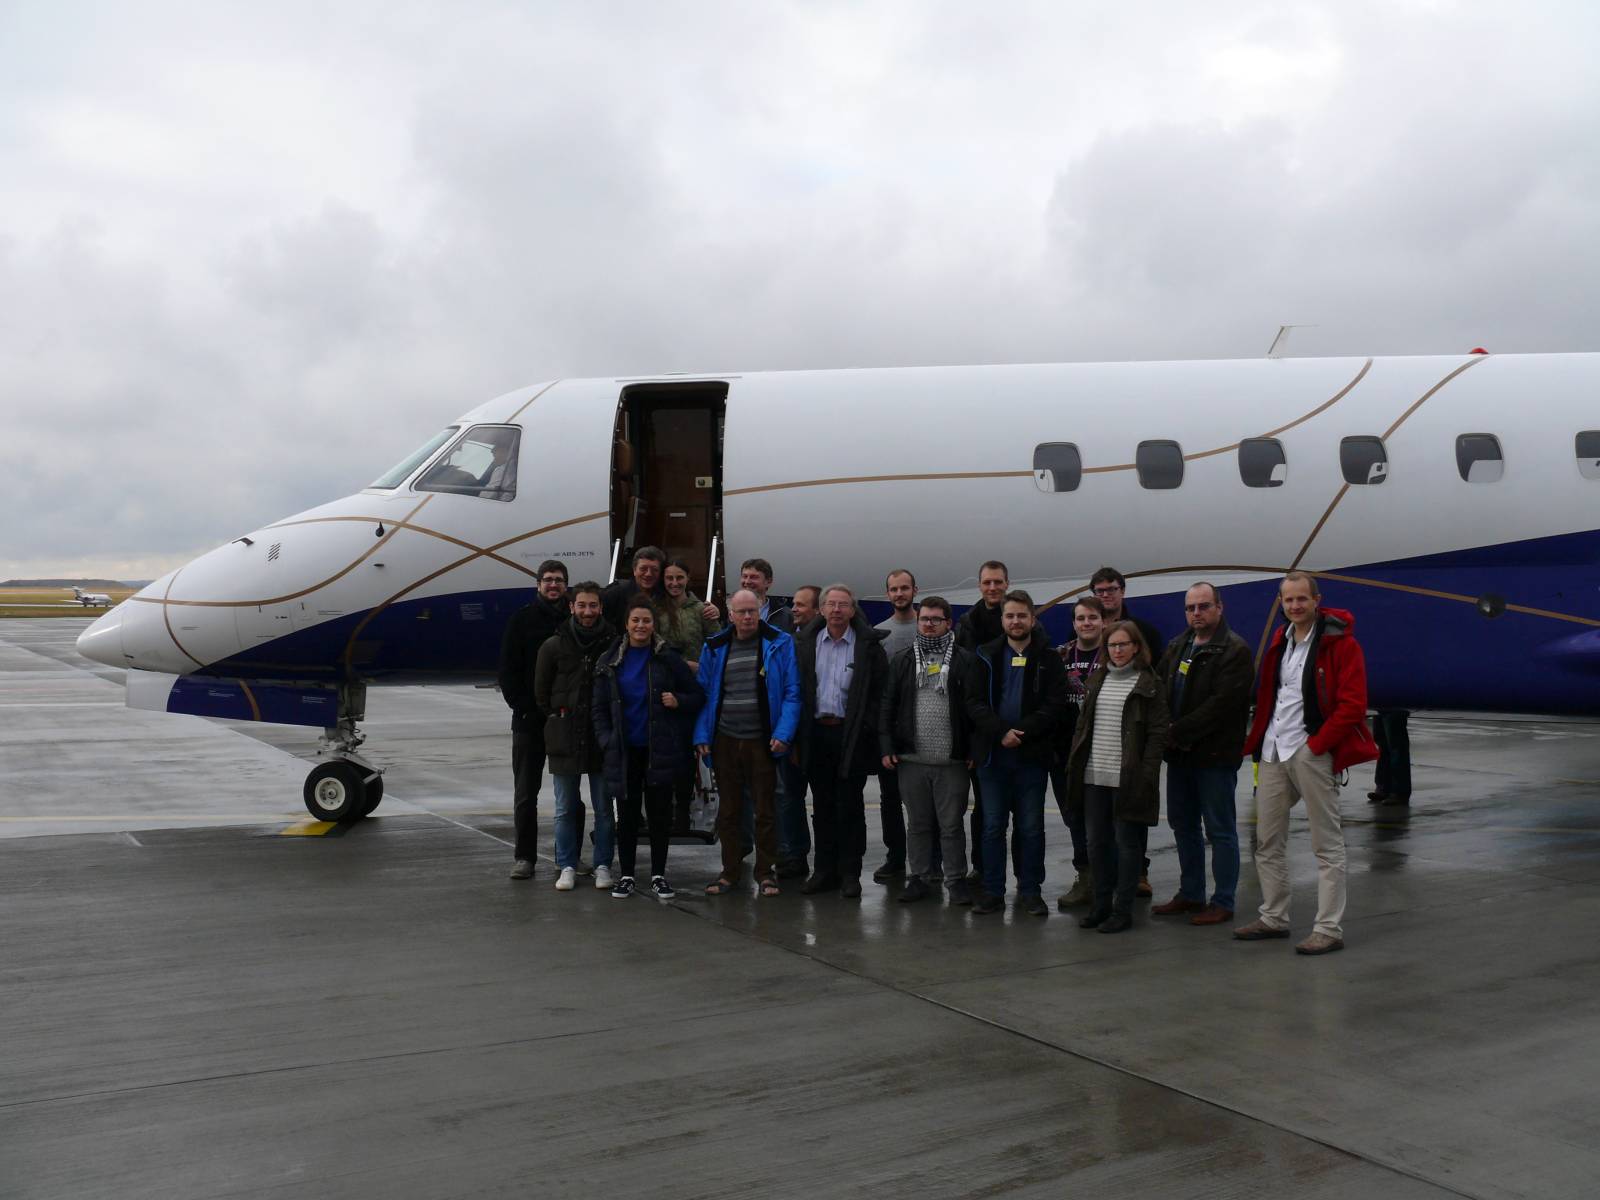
<point>92,599</point>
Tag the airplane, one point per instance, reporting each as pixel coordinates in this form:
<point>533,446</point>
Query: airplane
<point>1449,501</point>
<point>91,599</point>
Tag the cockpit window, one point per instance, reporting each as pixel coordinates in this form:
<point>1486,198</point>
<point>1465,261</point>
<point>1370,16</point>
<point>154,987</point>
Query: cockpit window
<point>401,471</point>
<point>483,463</point>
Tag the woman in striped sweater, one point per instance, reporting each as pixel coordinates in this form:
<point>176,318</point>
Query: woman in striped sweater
<point>1114,772</point>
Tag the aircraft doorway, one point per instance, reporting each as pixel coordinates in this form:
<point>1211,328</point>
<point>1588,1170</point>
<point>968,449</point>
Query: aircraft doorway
<point>666,480</point>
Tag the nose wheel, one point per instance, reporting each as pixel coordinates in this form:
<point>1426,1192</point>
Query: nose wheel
<point>346,787</point>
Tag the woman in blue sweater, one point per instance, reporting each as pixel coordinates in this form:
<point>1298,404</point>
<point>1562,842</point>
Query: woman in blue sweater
<point>645,701</point>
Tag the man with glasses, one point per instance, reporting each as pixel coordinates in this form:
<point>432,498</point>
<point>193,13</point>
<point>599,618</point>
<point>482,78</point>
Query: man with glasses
<point>924,734</point>
<point>1207,674</point>
<point>1110,588</point>
<point>527,630</point>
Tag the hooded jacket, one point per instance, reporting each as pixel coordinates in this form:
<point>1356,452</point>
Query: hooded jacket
<point>1044,700</point>
<point>670,754</point>
<point>563,687</point>
<point>1209,727</point>
<point>1335,683</point>
<point>780,698</point>
<point>862,701</point>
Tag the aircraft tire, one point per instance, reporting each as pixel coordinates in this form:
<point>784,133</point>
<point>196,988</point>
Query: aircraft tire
<point>334,791</point>
<point>374,796</point>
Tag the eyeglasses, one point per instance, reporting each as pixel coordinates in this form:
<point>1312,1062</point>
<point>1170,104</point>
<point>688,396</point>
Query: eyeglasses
<point>1108,590</point>
<point>932,620</point>
<point>1198,607</point>
<point>1119,645</point>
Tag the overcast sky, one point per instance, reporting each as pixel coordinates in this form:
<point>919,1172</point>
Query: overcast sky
<point>251,255</point>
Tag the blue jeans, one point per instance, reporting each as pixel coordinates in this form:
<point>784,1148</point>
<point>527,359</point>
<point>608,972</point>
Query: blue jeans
<point>1196,797</point>
<point>569,820</point>
<point>1013,790</point>
<point>794,831</point>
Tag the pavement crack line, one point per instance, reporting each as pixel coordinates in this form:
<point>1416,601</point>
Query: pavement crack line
<point>1084,1056</point>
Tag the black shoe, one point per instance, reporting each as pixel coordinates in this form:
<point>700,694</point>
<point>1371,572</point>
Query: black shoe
<point>890,870</point>
<point>1095,919</point>
<point>1033,905</point>
<point>850,888</point>
<point>1116,923</point>
<point>1377,797</point>
<point>792,868</point>
<point>915,889</point>
<point>989,904</point>
<point>959,893</point>
<point>974,877</point>
<point>821,883</point>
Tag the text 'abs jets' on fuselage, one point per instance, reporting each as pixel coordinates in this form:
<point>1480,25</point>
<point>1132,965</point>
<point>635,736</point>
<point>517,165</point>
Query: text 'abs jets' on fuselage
<point>91,599</point>
<point>1449,502</point>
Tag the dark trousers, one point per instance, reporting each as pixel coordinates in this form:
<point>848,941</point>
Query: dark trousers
<point>682,801</point>
<point>527,773</point>
<point>838,806</point>
<point>656,799</point>
<point>1116,851</point>
<point>1390,731</point>
<point>794,834</point>
<point>1074,824</point>
<point>740,764</point>
<point>892,815</point>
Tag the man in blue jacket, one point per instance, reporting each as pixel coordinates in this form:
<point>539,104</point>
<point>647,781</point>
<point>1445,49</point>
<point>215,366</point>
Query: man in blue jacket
<point>752,687</point>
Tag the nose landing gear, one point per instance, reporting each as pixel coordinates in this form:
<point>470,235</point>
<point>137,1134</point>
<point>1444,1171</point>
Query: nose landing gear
<point>347,787</point>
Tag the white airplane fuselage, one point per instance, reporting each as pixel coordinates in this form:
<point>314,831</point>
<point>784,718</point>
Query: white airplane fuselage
<point>1475,582</point>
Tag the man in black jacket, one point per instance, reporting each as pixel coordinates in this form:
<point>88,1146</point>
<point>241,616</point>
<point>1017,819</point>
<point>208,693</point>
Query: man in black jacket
<point>519,651</point>
<point>842,667</point>
<point>979,626</point>
<point>924,734</point>
<point>1017,707</point>
<point>563,687</point>
<point>1208,673</point>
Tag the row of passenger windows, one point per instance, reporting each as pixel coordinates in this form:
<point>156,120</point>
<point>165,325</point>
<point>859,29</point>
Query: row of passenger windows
<point>1058,466</point>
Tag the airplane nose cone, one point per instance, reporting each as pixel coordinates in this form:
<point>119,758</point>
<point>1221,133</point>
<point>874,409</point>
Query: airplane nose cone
<point>102,641</point>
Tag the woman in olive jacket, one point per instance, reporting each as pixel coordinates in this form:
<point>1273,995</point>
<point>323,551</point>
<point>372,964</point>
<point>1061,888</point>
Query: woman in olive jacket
<point>1114,772</point>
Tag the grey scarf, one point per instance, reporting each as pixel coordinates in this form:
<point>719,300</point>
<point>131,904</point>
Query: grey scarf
<point>934,651</point>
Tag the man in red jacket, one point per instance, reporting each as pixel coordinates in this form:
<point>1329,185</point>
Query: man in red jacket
<point>1310,724</point>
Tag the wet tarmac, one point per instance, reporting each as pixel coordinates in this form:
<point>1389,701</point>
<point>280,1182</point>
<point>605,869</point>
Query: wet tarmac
<point>194,1005</point>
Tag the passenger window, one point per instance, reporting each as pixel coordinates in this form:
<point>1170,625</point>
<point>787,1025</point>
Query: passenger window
<point>1587,445</point>
<point>1160,465</point>
<point>1262,463</point>
<point>483,463</point>
<point>401,471</point>
<point>1363,459</point>
<point>1478,458</point>
<point>1057,467</point>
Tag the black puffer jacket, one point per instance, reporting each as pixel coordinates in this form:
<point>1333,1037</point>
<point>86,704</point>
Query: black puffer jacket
<point>563,687</point>
<point>671,729</point>
<point>528,629</point>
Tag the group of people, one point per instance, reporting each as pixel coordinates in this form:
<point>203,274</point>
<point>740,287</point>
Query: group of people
<point>628,685</point>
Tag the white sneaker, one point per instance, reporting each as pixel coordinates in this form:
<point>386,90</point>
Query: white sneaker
<point>602,878</point>
<point>567,880</point>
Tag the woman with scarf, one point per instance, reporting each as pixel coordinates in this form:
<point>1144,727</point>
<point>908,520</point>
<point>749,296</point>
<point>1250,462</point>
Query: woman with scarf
<point>645,701</point>
<point>924,735</point>
<point>1114,772</point>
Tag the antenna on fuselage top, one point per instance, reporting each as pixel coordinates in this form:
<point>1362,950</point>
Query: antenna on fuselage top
<point>1280,342</point>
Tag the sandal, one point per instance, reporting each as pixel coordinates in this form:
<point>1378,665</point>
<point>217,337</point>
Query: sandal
<point>720,888</point>
<point>769,887</point>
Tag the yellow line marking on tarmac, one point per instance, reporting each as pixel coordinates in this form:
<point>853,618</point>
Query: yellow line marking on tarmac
<point>307,828</point>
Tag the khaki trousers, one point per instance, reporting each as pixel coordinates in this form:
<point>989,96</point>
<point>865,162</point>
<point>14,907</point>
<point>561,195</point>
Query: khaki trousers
<point>1307,777</point>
